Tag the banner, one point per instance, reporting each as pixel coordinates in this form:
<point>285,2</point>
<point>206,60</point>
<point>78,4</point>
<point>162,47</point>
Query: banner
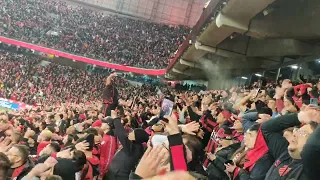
<point>9,105</point>
<point>153,72</point>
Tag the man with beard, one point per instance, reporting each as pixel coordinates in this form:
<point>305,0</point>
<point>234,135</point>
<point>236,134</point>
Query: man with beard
<point>288,155</point>
<point>110,96</point>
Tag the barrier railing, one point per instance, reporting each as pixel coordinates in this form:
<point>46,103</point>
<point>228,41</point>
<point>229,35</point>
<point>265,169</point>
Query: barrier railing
<point>153,72</point>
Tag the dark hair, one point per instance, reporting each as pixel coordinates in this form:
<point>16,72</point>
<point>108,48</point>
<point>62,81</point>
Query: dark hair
<point>51,117</point>
<point>125,121</point>
<point>90,139</point>
<point>56,147</point>
<point>70,138</point>
<point>93,131</point>
<point>51,128</point>
<point>265,110</point>
<point>249,103</point>
<point>4,165</point>
<point>290,92</point>
<point>80,158</point>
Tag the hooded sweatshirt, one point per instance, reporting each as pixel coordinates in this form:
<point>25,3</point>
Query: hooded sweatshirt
<point>127,157</point>
<point>258,161</point>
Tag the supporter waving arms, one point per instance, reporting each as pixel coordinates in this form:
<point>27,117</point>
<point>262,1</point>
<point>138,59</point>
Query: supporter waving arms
<point>121,134</point>
<point>273,129</point>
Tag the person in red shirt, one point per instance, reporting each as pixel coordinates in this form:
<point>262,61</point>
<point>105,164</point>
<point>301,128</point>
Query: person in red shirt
<point>43,140</point>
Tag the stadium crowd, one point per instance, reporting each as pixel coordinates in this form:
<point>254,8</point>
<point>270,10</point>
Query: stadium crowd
<point>23,78</point>
<point>265,131</point>
<point>120,40</point>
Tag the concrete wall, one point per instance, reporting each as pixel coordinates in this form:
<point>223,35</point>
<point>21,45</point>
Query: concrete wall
<point>173,12</point>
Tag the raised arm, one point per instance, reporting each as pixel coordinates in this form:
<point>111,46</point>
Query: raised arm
<point>273,133</point>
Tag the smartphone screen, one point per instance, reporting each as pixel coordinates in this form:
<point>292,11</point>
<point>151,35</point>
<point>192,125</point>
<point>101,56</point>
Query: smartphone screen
<point>166,108</point>
<point>314,102</point>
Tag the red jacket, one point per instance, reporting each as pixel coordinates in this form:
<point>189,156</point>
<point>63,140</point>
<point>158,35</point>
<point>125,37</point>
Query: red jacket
<point>108,148</point>
<point>93,166</point>
<point>41,146</point>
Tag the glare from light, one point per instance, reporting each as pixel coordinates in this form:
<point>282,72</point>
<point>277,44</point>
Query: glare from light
<point>244,77</point>
<point>294,67</point>
<point>259,75</point>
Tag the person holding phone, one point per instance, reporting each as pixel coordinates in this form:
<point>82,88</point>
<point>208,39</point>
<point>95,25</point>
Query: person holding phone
<point>222,154</point>
<point>110,96</point>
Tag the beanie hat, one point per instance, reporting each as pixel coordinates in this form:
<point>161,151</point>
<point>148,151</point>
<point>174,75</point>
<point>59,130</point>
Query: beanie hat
<point>141,136</point>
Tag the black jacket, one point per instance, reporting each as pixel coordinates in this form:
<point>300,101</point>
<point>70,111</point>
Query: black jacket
<point>22,170</point>
<point>128,157</point>
<point>311,155</point>
<point>284,168</point>
<point>258,171</point>
<point>216,168</point>
<point>110,95</point>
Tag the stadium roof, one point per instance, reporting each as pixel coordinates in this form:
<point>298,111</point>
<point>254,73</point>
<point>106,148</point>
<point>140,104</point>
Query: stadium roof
<point>240,37</point>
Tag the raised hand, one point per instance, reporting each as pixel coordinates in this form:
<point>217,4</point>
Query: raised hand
<point>191,128</point>
<point>150,162</point>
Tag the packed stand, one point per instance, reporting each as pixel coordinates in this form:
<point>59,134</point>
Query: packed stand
<point>23,78</point>
<point>263,132</point>
<point>119,40</point>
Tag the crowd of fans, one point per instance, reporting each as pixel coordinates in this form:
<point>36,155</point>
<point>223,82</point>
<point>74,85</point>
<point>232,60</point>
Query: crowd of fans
<point>263,131</point>
<point>260,132</point>
<point>25,79</point>
<point>120,40</point>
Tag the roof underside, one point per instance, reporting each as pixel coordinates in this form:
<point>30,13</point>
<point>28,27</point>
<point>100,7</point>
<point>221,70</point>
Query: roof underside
<point>241,37</point>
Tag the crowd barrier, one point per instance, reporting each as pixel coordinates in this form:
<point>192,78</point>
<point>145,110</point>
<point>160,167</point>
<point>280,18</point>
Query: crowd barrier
<point>11,104</point>
<point>153,72</point>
